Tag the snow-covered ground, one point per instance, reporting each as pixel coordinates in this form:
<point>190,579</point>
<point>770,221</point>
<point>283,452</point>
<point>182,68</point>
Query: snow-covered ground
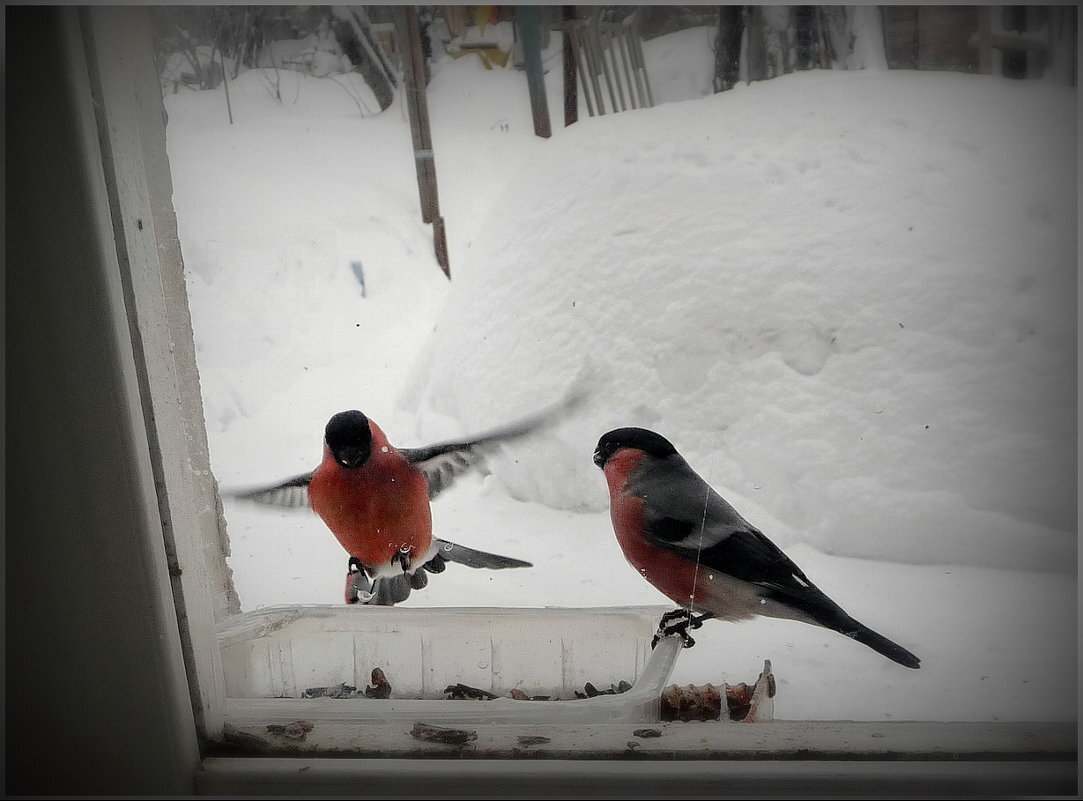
<point>849,299</point>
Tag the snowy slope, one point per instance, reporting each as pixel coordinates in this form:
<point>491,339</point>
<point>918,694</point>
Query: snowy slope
<point>847,297</point>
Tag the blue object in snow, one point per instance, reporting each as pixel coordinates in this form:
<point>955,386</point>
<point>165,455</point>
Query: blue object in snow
<point>359,271</point>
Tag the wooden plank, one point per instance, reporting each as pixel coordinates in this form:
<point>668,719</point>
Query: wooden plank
<point>945,38</point>
<point>985,48</point>
<point>439,243</point>
<point>530,29</point>
<point>409,35</point>
<point>901,36</point>
<point>408,31</point>
<point>582,63</point>
<point>568,58</point>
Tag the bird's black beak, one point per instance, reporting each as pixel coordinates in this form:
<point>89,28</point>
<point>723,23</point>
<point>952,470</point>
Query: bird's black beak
<point>351,455</point>
<point>599,459</point>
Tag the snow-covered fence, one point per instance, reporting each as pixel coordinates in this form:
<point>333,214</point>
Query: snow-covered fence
<point>610,55</point>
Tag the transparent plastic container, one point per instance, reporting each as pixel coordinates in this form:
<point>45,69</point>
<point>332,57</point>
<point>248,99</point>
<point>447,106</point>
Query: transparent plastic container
<point>272,656</point>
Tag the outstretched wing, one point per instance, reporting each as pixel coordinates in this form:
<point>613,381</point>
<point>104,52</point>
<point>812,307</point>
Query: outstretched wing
<point>290,494</point>
<point>442,464</point>
<point>445,462</point>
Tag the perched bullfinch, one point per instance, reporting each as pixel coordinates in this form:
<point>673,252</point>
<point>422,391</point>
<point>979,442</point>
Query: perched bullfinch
<point>687,541</point>
<point>375,499</point>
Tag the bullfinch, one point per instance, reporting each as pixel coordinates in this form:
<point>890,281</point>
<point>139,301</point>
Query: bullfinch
<point>686,540</point>
<point>375,499</point>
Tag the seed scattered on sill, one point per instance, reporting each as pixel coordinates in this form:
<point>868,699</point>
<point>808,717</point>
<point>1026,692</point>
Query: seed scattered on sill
<point>380,687</point>
<point>442,734</point>
<point>534,739</point>
<point>297,730</point>
<point>463,692</point>
<point>590,691</point>
<point>338,691</point>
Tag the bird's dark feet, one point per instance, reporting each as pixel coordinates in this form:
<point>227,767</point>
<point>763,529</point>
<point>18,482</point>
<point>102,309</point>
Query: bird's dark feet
<point>403,559</point>
<point>679,621</point>
<point>358,586</point>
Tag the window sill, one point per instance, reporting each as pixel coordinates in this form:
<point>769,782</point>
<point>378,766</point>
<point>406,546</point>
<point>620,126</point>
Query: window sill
<point>569,746</point>
<point>779,740</point>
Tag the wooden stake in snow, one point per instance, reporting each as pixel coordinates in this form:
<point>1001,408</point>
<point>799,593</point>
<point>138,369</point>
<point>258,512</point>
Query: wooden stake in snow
<point>408,31</point>
<point>530,30</point>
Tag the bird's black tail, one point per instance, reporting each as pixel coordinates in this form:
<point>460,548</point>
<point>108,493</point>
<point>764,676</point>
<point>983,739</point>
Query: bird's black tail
<point>460,554</point>
<point>876,641</point>
<point>390,590</point>
<point>821,610</point>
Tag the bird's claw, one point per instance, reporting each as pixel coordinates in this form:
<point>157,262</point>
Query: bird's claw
<point>358,586</point>
<point>685,620</point>
<point>686,639</point>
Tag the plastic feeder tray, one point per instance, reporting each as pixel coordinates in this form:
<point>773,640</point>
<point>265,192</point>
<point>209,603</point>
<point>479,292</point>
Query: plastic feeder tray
<point>272,656</point>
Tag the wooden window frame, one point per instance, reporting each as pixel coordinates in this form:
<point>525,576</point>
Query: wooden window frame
<point>117,579</point>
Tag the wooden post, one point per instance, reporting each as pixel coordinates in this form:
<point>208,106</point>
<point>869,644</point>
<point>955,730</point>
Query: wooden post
<point>530,29</point>
<point>756,49</point>
<point>571,89</point>
<point>582,64</point>
<point>408,30</point>
<point>985,41</point>
<point>588,36</point>
<point>225,83</point>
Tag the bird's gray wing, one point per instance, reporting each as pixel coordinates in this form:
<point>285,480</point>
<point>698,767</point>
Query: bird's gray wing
<point>685,515</point>
<point>681,510</point>
<point>445,462</point>
<point>289,494</point>
<point>749,556</point>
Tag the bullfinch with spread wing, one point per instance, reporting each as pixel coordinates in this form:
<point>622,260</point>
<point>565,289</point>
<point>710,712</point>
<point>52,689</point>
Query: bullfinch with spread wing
<point>375,499</point>
<point>687,541</point>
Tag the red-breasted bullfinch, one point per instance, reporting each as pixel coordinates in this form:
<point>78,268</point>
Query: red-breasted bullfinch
<point>686,540</point>
<point>375,499</point>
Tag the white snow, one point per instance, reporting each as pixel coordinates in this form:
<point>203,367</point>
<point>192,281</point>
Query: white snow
<point>848,298</point>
